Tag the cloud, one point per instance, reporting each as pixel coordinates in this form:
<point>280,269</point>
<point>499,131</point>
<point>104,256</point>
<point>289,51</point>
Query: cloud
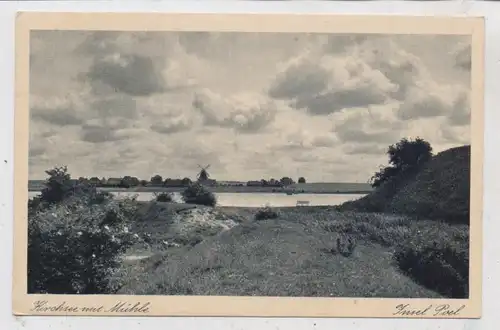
<point>323,83</point>
<point>129,74</point>
<point>455,135</point>
<point>372,125</point>
<point>115,105</point>
<point>243,112</point>
<point>173,125</point>
<point>57,116</point>
<point>422,104</point>
<point>325,141</point>
<point>300,80</point>
<point>99,134</point>
<point>461,116</point>
<point>402,68</point>
<point>36,151</point>
<point>463,55</point>
<point>254,105</point>
<point>57,111</point>
<point>365,149</point>
<point>339,43</point>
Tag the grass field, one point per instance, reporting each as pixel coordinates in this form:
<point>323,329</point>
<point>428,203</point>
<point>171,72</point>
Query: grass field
<point>225,251</point>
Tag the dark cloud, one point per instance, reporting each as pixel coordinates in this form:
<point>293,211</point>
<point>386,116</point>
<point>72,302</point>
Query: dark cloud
<point>323,89</point>
<point>463,58</point>
<point>130,74</point>
<point>100,134</point>
<point>171,127</point>
<point>36,151</point>
<point>300,80</point>
<point>425,106</point>
<point>56,116</point>
<point>334,101</point>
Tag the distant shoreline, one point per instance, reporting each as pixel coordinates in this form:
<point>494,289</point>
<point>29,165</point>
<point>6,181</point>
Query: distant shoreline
<point>240,189</point>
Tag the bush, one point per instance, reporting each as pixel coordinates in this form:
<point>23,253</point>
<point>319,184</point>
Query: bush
<point>441,264</point>
<point>73,247</point>
<point>59,187</point>
<point>163,197</point>
<point>198,194</point>
<point>266,213</point>
<point>75,237</point>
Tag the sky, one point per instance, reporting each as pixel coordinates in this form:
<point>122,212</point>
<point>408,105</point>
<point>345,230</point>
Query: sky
<point>252,105</point>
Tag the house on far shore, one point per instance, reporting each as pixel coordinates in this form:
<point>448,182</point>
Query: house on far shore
<point>95,181</point>
<point>230,183</point>
<point>254,183</point>
<point>208,182</point>
<point>113,182</point>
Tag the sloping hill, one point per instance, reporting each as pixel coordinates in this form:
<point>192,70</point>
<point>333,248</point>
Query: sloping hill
<point>439,189</point>
<point>289,256</point>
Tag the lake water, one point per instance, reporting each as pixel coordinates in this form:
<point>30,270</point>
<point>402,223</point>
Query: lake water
<point>255,199</point>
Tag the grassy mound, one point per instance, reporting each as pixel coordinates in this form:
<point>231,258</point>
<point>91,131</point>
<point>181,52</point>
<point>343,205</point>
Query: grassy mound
<point>292,255</point>
<point>439,189</point>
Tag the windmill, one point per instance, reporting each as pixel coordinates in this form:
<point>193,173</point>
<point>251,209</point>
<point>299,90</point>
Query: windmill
<point>203,174</point>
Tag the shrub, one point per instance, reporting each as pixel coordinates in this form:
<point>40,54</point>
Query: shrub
<point>75,236</point>
<point>59,186</point>
<point>441,263</point>
<point>266,213</point>
<point>73,247</point>
<point>345,245</point>
<point>197,194</point>
<point>163,197</point>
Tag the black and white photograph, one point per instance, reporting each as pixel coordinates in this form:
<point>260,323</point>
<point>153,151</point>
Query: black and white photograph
<point>243,163</point>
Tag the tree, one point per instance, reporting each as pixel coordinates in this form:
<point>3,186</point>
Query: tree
<point>196,193</point>
<point>302,180</point>
<point>409,153</point>
<point>186,181</point>
<point>58,186</point>
<point>286,181</point>
<point>404,155</point>
<point>157,180</point>
<point>129,181</point>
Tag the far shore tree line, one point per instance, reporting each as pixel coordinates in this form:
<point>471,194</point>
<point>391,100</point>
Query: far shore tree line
<point>159,181</point>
